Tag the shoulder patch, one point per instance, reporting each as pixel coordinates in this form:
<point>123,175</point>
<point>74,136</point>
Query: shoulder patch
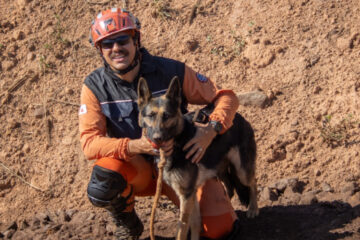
<point>82,109</point>
<point>201,78</point>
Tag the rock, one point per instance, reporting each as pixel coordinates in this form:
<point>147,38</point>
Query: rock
<point>26,148</point>
<point>349,188</point>
<point>71,212</point>
<point>311,61</point>
<point>354,200</point>
<point>13,226</point>
<point>290,198</point>
<point>8,234</point>
<point>292,183</point>
<point>278,154</point>
<point>44,218</point>
<point>32,47</point>
<point>343,43</point>
<point>317,172</point>
<point>326,187</point>
<point>67,140</point>
<point>69,91</point>
<point>31,56</point>
<point>354,40</point>
<point>308,198</point>
<point>8,65</point>
<point>13,124</point>
<point>255,98</point>
<point>22,3</point>
<point>24,224</point>
<point>192,45</point>
<point>19,35</point>
<point>4,154</point>
<point>39,112</point>
<point>268,194</point>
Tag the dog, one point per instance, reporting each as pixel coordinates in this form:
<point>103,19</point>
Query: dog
<point>230,157</point>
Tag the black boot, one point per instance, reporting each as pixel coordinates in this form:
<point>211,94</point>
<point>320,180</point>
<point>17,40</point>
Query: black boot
<point>235,232</point>
<point>128,225</point>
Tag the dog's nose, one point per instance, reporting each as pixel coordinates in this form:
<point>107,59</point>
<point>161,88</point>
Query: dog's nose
<point>157,137</point>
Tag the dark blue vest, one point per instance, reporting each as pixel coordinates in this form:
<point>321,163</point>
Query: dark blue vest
<point>118,98</point>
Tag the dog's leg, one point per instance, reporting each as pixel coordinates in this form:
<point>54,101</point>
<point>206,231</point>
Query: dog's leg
<point>186,208</point>
<point>246,177</point>
<point>253,206</point>
<point>195,221</point>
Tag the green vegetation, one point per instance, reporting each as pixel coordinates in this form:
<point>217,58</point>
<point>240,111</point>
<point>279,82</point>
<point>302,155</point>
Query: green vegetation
<point>162,9</point>
<point>59,30</point>
<point>44,65</point>
<point>337,134</point>
<point>234,50</point>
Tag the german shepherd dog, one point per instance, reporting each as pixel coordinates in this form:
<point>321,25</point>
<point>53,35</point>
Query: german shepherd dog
<point>230,157</point>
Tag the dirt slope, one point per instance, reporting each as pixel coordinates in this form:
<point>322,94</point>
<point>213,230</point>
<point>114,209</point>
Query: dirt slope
<point>303,57</point>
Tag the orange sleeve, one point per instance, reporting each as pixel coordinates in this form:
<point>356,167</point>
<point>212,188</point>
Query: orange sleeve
<point>201,90</point>
<point>92,125</point>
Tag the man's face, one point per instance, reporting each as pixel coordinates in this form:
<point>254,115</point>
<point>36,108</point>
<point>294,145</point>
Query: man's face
<point>118,50</point>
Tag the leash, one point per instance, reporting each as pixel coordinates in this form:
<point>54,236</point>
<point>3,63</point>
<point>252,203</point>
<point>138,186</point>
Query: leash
<point>160,165</point>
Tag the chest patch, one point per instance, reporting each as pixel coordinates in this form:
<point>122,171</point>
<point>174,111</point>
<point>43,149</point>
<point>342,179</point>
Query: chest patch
<point>201,78</point>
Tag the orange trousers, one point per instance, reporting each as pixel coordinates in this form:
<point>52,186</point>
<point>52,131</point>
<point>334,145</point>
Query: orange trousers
<point>216,211</point>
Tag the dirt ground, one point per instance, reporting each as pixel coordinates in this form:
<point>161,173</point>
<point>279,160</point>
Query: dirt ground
<point>295,65</point>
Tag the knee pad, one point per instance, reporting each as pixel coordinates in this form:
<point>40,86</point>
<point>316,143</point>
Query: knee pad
<point>105,189</point>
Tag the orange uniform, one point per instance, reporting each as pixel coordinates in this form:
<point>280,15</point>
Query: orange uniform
<point>139,174</point>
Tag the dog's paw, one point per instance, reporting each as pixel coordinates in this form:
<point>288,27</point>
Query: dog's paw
<point>251,213</point>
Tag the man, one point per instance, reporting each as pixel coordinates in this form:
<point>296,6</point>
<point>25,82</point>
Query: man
<point>109,130</point>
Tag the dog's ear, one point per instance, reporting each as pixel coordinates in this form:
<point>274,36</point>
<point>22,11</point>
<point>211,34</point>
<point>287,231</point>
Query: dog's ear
<point>144,94</point>
<point>174,91</point>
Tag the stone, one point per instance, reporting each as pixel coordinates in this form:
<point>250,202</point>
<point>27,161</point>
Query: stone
<point>192,44</point>
<point>326,187</point>
<point>268,194</point>
<point>19,35</point>
<point>39,112</point>
<point>26,148</point>
<point>349,188</point>
<point>308,198</point>
<point>282,184</point>
<point>67,140</point>
<point>255,98</point>
<point>343,43</point>
<point>69,91</point>
<point>30,56</point>
<point>8,65</point>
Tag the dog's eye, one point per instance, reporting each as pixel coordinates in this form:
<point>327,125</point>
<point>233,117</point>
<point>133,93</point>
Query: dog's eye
<point>152,114</point>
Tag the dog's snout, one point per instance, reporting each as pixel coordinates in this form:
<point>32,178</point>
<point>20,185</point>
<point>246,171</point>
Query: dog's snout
<point>157,137</point>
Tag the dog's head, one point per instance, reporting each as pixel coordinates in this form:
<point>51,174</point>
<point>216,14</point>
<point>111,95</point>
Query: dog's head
<point>160,117</point>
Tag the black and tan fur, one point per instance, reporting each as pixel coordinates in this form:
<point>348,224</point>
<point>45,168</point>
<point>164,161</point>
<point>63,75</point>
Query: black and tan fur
<point>230,157</point>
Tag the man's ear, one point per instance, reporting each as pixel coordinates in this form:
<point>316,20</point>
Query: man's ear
<point>144,94</point>
<point>174,91</point>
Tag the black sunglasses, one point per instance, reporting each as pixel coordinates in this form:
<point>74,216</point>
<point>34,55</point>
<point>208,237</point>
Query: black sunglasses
<point>109,43</point>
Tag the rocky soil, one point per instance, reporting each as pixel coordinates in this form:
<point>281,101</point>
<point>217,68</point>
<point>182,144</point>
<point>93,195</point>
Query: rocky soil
<point>295,66</point>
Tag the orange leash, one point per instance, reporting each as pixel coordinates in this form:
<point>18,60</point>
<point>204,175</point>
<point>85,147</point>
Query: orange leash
<point>160,165</point>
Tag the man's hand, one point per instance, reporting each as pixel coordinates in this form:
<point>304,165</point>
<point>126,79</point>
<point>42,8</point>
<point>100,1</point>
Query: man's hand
<point>144,146</point>
<point>200,142</point>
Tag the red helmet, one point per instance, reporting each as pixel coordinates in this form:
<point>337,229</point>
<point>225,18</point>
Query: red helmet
<point>112,21</point>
